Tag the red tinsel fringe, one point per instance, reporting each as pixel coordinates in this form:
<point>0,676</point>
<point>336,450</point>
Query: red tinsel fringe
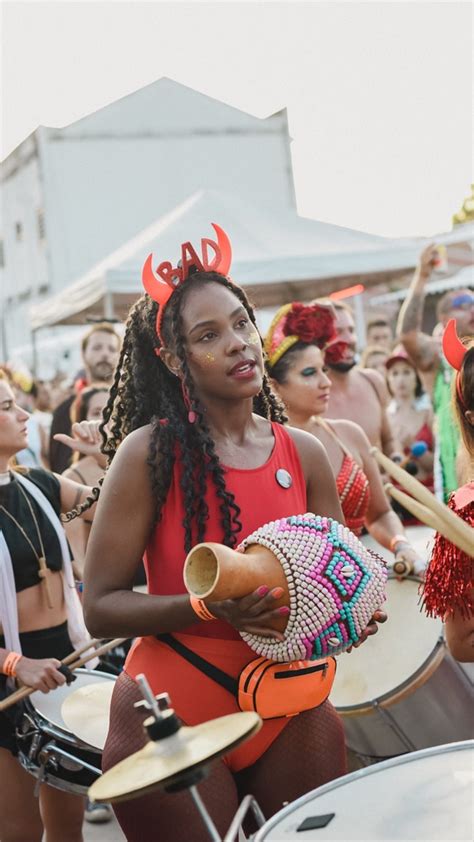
<point>449,577</point>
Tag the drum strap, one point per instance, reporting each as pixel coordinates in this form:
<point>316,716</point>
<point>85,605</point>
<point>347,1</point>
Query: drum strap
<point>226,681</point>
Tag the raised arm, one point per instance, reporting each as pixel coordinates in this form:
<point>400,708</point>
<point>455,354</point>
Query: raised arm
<point>421,347</point>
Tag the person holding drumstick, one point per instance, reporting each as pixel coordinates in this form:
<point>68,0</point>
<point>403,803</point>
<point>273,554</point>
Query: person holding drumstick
<point>40,616</point>
<point>299,343</point>
<point>448,591</point>
<point>199,453</point>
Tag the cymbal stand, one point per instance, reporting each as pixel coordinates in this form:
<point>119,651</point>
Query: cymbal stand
<point>160,710</point>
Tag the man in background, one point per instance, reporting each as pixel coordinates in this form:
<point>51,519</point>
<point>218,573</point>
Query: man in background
<point>100,349</point>
<point>426,353</point>
<point>359,394</point>
<point>380,333</point>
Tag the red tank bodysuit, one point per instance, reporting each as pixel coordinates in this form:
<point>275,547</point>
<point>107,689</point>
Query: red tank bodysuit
<point>195,697</point>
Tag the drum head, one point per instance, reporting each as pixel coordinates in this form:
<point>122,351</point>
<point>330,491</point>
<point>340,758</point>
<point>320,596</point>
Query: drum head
<point>426,795</point>
<point>86,712</point>
<point>401,647</point>
<point>48,705</point>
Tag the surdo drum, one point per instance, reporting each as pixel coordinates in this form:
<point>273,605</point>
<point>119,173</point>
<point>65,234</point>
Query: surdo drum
<point>402,690</point>
<point>49,749</point>
<point>426,795</point>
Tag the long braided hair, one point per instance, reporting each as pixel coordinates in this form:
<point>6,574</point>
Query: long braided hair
<point>144,391</point>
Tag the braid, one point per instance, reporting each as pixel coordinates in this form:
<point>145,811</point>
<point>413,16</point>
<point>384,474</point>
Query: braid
<point>144,391</point>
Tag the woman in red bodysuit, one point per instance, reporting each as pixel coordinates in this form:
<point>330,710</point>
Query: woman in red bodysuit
<point>202,456</point>
<point>297,344</point>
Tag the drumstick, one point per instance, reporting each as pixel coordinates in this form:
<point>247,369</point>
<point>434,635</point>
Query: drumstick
<point>72,657</point>
<point>454,523</point>
<point>24,692</point>
<point>428,517</point>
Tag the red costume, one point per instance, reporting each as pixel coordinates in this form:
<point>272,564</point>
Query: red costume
<point>260,498</point>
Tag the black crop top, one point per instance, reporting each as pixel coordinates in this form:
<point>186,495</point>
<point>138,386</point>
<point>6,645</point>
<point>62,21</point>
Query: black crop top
<point>25,564</point>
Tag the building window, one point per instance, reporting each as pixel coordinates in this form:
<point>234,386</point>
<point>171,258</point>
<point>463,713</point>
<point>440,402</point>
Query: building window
<point>41,225</point>
<point>18,232</point>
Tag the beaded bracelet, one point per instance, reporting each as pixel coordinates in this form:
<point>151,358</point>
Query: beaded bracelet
<point>200,608</point>
<point>9,664</point>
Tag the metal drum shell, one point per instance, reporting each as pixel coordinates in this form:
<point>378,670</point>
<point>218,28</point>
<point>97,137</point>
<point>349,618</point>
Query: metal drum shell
<point>430,706</point>
<point>78,763</point>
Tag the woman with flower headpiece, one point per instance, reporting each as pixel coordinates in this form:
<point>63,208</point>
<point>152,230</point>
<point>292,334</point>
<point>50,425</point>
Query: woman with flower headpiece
<point>198,452</point>
<point>299,344</point>
<point>448,590</point>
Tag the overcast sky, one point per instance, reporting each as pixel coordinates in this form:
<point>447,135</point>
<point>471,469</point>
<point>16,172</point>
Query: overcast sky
<point>379,95</point>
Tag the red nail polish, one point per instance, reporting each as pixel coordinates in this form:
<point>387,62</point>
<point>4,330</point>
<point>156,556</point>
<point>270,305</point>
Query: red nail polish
<point>277,593</point>
<point>263,590</point>
<point>284,610</point>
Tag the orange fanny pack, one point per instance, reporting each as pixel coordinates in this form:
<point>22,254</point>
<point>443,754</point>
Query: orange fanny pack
<point>270,688</point>
<point>273,689</point>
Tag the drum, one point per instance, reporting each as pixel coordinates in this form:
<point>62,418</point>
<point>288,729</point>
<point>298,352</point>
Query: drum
<point>401,690</point>
<point>420,537</point>
<point>48,749</point>
<point>426,795</point>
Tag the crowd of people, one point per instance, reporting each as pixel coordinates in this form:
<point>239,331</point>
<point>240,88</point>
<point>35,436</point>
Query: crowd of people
<point>195,419</point>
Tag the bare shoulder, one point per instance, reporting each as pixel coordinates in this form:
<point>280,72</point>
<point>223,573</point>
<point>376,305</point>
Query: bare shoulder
<point>133,451</point>
<point>377,382</point>
<point>350,430</point>
<point>307,445</point>
<point>353,437</point>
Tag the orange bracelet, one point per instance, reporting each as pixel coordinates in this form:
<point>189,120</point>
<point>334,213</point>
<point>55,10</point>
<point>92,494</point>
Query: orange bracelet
<point>9,664</point>
<point>200,608</point>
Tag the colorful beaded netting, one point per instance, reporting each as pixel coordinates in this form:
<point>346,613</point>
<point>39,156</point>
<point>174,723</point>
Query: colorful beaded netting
<point>335,585</point>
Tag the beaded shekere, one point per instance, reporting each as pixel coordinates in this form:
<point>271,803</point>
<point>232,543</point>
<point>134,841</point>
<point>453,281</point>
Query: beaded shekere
<point>335,585</point>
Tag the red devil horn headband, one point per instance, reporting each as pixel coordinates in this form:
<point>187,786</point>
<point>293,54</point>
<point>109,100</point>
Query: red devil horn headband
<point>161,285</point>
<point>454,351</point>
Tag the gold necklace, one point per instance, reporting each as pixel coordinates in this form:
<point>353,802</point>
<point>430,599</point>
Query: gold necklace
<point>41,559</point>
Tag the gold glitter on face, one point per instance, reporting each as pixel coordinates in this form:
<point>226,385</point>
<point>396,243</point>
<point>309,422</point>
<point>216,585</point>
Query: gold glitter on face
<point>209,358</point>
<point>254,339</point>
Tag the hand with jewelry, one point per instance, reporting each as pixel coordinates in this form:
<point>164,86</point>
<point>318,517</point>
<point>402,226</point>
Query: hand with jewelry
<point>252,613</point>
<point>41,674</point>
<point>372,628</point>
<point>407,561</point>
<point>85,439</point>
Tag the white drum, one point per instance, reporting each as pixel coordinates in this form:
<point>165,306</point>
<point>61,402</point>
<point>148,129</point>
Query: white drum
<point>401,690</point>
<point>426,795</point>
<point>49,749</point>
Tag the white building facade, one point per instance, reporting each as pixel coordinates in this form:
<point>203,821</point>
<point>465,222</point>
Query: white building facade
<point>70,197</point>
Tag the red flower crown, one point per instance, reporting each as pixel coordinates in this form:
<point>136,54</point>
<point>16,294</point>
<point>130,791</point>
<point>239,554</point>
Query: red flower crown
<point>309,323</point>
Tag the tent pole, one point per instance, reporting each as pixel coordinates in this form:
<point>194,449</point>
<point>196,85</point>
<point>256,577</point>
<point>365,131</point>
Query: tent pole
<point>34,348</point>
<point>109,312</point>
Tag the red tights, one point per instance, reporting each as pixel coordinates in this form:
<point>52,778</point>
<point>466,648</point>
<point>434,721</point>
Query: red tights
<point>309,752</point>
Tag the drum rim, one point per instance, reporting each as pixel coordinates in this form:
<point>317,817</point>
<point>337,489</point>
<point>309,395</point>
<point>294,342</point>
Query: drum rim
<point>408,757</point>
<point>52,780</point>
<point>57,731</point>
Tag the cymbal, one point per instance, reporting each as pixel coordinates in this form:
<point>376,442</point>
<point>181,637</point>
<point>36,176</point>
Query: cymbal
<point>86,712</point>
<point>160,763</point>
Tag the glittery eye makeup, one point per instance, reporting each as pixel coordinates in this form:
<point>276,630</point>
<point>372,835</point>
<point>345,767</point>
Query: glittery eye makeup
<point>308,372</point>
<point>254,339</point>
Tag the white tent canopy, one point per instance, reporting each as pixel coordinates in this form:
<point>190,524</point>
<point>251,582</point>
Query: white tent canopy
<point>270,247</point>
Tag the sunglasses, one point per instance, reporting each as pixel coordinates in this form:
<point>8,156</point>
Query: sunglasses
<point>463,302</point>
